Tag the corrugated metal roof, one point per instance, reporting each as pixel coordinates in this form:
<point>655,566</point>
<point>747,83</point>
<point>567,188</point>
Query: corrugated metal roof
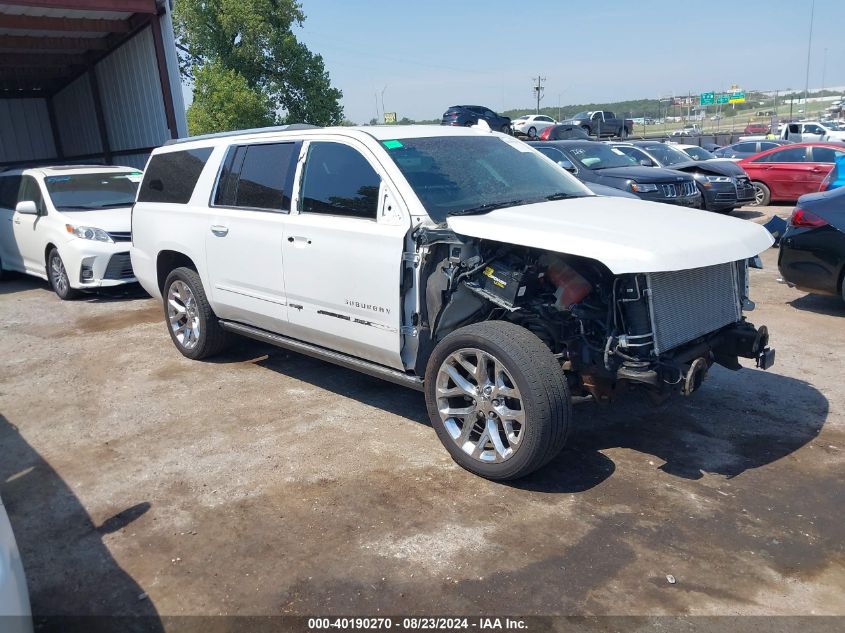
<point>40,12</point>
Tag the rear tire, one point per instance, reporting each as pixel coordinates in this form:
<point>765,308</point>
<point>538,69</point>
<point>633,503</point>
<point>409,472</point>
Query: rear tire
<point>498,400</point>
<point>59,280</point>
<point>762,195</point>
<point>192,324</point>
<point>506,129</point>
<point>623,134</point>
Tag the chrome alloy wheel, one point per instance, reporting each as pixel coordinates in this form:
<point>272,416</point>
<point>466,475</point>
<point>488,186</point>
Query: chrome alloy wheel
<point>182,314</point>
<point>759,196</point>
<point>58,275</point>
<point>480,405</point>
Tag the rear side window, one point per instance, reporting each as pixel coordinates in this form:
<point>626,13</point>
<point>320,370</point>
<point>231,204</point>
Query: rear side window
<point>338,180</point>
<point>788,155</point>
<point>172,176</point>
<point>258,176</point>
<point>826,155</point>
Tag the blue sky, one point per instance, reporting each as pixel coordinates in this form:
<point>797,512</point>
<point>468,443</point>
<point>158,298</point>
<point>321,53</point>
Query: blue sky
<point>430,55</point>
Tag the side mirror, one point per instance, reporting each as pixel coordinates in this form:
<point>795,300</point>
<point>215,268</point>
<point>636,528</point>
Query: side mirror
<point>26,207</point>
<point>646,162</point>
<point>566,164</point>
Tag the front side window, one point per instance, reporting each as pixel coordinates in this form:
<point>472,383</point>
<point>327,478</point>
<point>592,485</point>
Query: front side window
<point>9,187</point>
<point>172,176</point>
<point>338,180</point>
<point>84,192</point>
<point>462,175</point>
<point>743,148</point>
<point>699,153</point>
<point>826,154</point>
<point>31,191</point>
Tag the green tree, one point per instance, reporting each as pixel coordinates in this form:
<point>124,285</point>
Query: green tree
<point>223,101</point>
<point>254,39</point>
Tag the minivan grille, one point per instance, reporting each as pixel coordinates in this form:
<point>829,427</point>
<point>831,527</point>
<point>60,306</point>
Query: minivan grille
<point>119,267</point>
<point>120,236</point>
<point>686,304</point>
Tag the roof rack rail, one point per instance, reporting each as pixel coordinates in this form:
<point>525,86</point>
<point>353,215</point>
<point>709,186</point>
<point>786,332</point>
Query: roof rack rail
<point>255,130</point>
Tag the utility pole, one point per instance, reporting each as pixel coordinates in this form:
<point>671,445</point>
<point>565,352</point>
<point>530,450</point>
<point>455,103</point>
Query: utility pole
<point>538,89</point>
<point>382,100</point>
<point>809,47</point>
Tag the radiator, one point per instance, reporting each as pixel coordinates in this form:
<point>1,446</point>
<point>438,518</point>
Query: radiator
<point>686,304</point>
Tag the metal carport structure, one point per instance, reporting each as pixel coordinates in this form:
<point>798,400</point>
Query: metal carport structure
<point>87,81</point>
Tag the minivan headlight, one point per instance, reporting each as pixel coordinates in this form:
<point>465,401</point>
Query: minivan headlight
<point>88,233</point>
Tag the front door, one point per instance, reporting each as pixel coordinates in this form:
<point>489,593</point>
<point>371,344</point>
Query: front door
<point>245,233</point>
<point>26,228</point>
<point>343,254</point>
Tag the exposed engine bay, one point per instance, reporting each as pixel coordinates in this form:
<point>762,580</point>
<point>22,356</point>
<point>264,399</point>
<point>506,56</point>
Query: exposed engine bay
<point>660,331</point>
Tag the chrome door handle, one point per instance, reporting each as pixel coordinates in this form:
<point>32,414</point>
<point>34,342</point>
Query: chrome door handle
<point>219,231</point>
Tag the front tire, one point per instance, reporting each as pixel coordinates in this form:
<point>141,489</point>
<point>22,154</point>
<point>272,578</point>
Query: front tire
<point>59,280</point>
<point>532,132</point>
<point>762,195</point>
<point>497,399</point>
<point>192,324</point>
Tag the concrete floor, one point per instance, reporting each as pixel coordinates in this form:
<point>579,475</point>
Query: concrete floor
<point>139,482</point>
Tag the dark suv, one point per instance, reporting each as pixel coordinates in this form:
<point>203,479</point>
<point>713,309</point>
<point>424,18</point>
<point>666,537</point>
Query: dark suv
<point>469,115</point>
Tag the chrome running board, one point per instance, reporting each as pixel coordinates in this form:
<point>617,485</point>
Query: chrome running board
<point>344,360</point>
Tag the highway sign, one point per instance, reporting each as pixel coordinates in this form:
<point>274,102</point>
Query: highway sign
<point>720,99</point>
<point>706,98</point>
<point>737,97</point>
<point>390,117</point>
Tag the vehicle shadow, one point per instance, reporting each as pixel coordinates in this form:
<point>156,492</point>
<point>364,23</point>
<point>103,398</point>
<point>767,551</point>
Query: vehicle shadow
<point>17,282</point>
<point>820,304</point>
<point>71,575</point>
<point>737,421</point>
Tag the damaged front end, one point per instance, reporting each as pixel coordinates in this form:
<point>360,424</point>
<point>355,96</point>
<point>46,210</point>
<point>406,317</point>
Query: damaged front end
<point>661,331</point>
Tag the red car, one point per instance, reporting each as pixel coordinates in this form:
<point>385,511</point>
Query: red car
<point>757,128</point>
<point>788,172</point>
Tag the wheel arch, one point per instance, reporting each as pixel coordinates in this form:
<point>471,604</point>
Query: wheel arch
<point>167,261</point>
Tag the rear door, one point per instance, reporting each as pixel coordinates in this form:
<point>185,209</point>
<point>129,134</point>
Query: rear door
<point>343,253</point>
<point>250,206</point>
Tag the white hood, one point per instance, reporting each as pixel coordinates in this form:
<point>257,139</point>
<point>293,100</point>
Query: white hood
<point>117,219</point>
<point>627,236</point>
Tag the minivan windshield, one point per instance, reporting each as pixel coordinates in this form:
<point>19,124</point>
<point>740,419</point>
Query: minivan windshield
<point>85,192</point>
<point>464,175</point>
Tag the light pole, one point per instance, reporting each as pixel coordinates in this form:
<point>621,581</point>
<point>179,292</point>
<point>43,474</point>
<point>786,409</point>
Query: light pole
<point>809,48</point>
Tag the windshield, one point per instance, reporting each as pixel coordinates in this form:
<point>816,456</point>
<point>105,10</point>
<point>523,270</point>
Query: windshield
<point>666,154</point>
<point>83,192</point>
<point>600,156</point>
<point>582,115</point>
<point>460,175</point>
<point>699,153</point>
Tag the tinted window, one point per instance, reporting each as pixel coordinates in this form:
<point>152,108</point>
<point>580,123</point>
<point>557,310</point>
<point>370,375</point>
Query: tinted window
<point>788,155</point>
<point>745,148</point>
<point>551,152</point>
<point>339,181</point>
<point>263,180</point>
<point>826,155</point>
<point>9,187</point>
<point>172,176</point>
<point>765,146</point>
<point>600,156</point>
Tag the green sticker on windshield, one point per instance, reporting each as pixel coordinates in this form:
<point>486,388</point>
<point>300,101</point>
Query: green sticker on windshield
<point>392,144</point>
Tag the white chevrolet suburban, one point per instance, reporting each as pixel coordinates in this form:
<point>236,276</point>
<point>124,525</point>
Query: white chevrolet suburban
<point>458,261</point>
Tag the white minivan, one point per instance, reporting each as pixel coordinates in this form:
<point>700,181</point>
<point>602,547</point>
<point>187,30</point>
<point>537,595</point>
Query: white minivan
<point>69,225</point>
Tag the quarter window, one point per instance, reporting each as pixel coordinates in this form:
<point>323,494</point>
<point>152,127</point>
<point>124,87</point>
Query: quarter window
<point>338,180</point>
<point>826,155</point>
<point>172,176</point>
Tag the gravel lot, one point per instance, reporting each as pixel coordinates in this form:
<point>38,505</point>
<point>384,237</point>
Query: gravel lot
<point>139,482</point>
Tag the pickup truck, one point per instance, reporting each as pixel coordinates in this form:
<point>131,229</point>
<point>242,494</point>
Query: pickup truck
<point>601,123</point>
<point>457,261</point>
<point>805,132</point>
